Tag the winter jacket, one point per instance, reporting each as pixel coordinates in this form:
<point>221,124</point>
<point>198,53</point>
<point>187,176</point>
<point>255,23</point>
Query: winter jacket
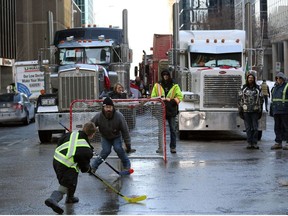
<point>112,128</point>
<point>250,99</point>
<point>280,99</point>
<point>168,90</point>
<point>67,176</point>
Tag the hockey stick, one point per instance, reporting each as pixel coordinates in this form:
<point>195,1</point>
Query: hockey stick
<point>124,172</point>
<point>133,199</point>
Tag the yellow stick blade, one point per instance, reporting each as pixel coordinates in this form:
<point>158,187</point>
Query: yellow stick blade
<point>135,199</point>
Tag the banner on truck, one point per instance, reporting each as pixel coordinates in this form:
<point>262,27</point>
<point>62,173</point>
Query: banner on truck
<point>29,80</point>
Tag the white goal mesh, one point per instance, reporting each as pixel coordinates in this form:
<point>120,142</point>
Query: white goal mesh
<point>145,119</point>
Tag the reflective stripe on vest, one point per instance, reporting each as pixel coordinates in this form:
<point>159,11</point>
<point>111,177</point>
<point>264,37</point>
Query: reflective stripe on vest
<point>283,100</point>
<point>170,94</point>
<point>71,146</point>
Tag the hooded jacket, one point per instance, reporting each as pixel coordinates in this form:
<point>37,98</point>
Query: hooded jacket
<point>168,89</point>
<point>250,98</point>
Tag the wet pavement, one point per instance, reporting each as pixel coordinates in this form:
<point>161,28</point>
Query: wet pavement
<point>212,173</point>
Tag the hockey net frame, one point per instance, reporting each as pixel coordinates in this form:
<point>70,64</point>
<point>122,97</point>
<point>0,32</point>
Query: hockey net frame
<point>146,120</point>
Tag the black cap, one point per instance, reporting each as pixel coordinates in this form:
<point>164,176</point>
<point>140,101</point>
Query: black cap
<point>165,72</point>
<point>108,101</point>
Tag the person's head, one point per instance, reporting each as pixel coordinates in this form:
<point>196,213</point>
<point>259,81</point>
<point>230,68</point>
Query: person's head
<point>280,77</point>
<point>108,108</point>
<point>137,79</point>
<point>165,74</point>
<point>89,129</point>
<point>118,88</point>
<point>250,80</point>
<point>264,81</point>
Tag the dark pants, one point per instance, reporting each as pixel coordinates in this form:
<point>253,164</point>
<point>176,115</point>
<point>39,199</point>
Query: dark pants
<point>280,127</point>
<point>251,126</point>
<point>172,128</point>
<point>266,102</point>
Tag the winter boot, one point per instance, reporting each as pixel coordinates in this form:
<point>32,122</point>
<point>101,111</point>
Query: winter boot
<point>70,196</point>
<point>72,199</point>
<point>52,202</point>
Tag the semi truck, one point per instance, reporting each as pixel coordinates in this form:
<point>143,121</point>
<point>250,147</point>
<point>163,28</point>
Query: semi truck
<point>210,67</point>
<point>82,63</point>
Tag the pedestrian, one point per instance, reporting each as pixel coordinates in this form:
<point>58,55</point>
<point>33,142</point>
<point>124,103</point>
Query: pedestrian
<point>280,111</point>
<point>266,93</point>
<point>171,94</point>
<point>112,127</point>
<point>72,154</point>
<point>118,92</point>
<point>250,105</point>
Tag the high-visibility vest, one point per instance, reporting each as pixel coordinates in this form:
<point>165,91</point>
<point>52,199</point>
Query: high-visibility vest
<point>71,146</point>
<point>283,99</point>
<point>171,93</point>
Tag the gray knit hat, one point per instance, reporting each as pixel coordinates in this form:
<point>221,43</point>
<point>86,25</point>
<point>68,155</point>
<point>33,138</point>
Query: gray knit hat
<point>281,75</point>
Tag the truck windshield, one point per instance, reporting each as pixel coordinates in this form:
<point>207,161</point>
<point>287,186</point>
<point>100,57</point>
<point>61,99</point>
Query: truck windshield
<point>87,55</point>
<point>215,60</point>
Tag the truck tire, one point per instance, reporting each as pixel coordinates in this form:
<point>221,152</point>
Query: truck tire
<point>45,136</point>
<point>259,135</point>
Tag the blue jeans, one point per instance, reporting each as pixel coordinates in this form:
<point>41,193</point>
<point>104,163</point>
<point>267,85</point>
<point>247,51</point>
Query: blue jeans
<point>172,128</point>
<point>251,126</point>
<point>106,150</point>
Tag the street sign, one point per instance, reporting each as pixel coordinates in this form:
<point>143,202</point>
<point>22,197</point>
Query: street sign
<point>278,66</point>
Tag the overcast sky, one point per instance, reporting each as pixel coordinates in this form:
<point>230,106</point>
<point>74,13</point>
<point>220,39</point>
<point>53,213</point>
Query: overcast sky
<point>144,19</point>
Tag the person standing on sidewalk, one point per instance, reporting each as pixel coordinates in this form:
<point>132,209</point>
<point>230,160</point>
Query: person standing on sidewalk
<point>171,94</point>
<point>280,111</point>
<point>250,105</point>
<point>266,93</point>
<point>73,154</point>
<point>112,127</point>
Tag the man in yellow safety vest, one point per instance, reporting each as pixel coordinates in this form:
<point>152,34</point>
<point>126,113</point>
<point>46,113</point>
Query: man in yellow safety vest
<point>73,153</point>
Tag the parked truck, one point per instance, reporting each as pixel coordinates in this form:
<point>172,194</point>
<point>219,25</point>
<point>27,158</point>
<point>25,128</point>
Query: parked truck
<point>152,65</point>
<point>210,67</point>
<point>28,78</point>
<point>83,63</point>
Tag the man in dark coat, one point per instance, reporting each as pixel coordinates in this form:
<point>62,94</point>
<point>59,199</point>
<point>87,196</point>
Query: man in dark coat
<point>73,153</point>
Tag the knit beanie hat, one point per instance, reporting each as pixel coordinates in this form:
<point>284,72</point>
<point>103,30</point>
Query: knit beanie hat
<point>281,75</point>
<point>108,101</point>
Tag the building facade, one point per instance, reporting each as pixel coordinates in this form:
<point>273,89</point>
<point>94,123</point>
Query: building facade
<point>278,34</point>
<point>7,41</point>
<point>86,7</point>
<point>24,30</point>
<point>206,14</point>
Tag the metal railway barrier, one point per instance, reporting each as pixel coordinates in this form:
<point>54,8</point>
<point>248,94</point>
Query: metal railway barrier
<point>145,118</point>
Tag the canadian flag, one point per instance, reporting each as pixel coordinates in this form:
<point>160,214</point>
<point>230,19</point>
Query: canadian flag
<point>107,83</point>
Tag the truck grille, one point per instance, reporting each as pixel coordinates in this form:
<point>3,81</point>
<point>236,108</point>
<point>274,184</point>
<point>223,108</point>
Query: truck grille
<point>77,85</point>
<point>221,91</point>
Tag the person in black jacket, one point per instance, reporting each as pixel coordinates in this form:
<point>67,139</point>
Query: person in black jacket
<point>72,154</point>
<point>250,105</point>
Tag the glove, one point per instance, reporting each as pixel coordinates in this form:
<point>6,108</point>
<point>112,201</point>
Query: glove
<point>129,150</point>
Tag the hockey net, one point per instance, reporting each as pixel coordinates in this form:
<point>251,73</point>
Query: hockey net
<point>145,119</point>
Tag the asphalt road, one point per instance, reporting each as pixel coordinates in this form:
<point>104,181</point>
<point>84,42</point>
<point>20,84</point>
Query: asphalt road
<point>212,173</point>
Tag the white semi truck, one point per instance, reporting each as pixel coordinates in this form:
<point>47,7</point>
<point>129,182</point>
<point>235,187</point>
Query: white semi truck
<point>84,60</point>
<point>211,70</point>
